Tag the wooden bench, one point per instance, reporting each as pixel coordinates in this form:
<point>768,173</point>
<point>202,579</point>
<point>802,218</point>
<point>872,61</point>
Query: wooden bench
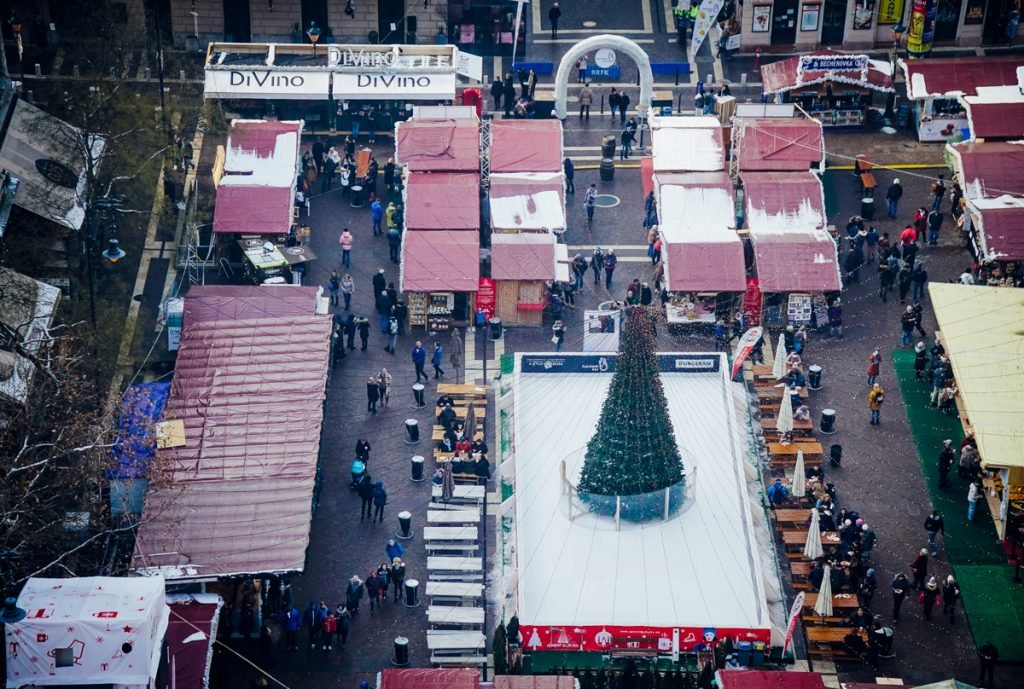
<point>799,570</point>
<point>812,447</point>
<point>441,642</point>
<point>462,391</point>
<point>455,590</point>
<point>450,533</point>
<point>795,540</point>
<point>461,493</point>
<point>448,568</point>
<point>455,616</point>
<point>840,601</point>
<point>821,641</point>
<point>775,393</point>
<point>791,516</point>
<point>459,661</point>
<point>449,517</point>
<point>801,427</point>
<point>447,548</point>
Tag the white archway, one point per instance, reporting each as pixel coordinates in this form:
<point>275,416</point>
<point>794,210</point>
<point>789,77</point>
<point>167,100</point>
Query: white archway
<point>567,66</point>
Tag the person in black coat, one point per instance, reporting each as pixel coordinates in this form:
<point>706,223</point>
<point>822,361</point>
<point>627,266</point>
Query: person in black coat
<point>363,449</point>
<point>365,491</point>
<point>379,282</point>
<point>497,91</point>
<point>509,89</point>
<point>350,332</point>
<point>372,395</point>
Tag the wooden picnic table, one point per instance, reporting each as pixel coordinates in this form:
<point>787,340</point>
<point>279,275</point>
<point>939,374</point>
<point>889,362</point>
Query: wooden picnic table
<point>462,390</point>
<point>797,538</point>
<point>845,601</point>
<point>438,640</point>
<point>461,493</point>
<point>479,411</point>
<point>812,447</point>
<point>444,517</point>
<point>455,615</point>
<point>438,434</point>
<point>776,392</point>
<point>454,589</point>
<point>443,563</point>
<point>450,533</point>
<point>803,427</point>
<point>792,516</point>
<point>829,635</point>
<point>800,569</point>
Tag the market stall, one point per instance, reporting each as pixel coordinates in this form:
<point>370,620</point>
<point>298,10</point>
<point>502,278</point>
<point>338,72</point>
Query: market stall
<point>702,253</point>
<point>995,113</point>
<point>520,265</point>
<point>526,146</point>
<point>442,201</point>
<point>784,144</point>
<point>794,256</point>
<point>429,145</point>
<point>687,144</point>
<point>934,86</point>
<point>440,274</point>
<point>980,330</point>
<point>833,87</point>
<point>527,202</point>
<point>991,175</point>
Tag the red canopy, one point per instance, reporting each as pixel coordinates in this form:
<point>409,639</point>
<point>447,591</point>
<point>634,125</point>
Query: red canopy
<point>249,386</point>
<point>523,256</point>
<point>795,261</point>
<point>190,657</point>
<point>995,120</point>
<point>647,174</point>
<point>1002,224</point>
<point>785,75</point>
<point>526,146</point>
<point>779,143</point>
<point>780,200</point>
<point>430,678</point>
<point>256,193</point>
<point>755,679</point>
<point>440,261</point>
<point>938,76</point>
<point>443,201</point>
<point>439,145</point>
<point>990,169</point>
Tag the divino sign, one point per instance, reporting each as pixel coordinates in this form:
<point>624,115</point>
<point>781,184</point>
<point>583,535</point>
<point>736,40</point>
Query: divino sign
<point>264,83</point>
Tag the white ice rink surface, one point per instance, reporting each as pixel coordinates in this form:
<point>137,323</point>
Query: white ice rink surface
<point>699,568</point>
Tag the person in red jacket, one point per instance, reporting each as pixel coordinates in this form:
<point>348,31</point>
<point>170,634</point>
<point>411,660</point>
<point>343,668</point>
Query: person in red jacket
<point>328,631</point>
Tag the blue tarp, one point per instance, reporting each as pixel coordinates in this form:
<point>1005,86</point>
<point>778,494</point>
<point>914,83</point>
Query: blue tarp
<point>141,408</point>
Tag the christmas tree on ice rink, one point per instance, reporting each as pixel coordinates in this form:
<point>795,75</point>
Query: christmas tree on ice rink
<point>634,448</point>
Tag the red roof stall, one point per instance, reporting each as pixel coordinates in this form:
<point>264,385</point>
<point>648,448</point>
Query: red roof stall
<point>527,202</point>
<point>935,84</point>
<point>430,678</point>
<point>701,249</point>
<point>189,659</point>
<point>438,145</point>
<point>996,112</point>
<point>834,87</point>
<point>520,264</point>
<point>442,201</point>
<point>785,212</point>
<point>249,388</point>
<point>440,261</point>
<point>756,679</point>
<point>526,146</point>
<point>256,194</point>
<point>778,143</point>
<point>992,176</point>
<point>687,144</point>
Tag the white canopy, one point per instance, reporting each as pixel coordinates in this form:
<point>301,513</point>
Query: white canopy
<point>88,630</point>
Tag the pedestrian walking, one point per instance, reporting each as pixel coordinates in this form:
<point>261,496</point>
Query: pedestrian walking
<point>610,260</point>
<point>350,330</point>
<point>934,225</point>
<point>597,264</point>
<point>554,14</point>
<point>377,215</point>
<point>313,620</point>
<point>900,586</point>
<point>291,621</point>
<point>893,196</point>
<point>344,623</point>
<point>363,449</point>
<point>919,569</point>
<point>623,107</point>
<point>938,191</point>
<point>380,498</point>
<point>570,174</point>
<point>875,399</point>
<point>871,241</point>
<point>973,493</point>
<point>364,489</point>
<point>950,595</point>
<point>586,100</point>
<point>437,359</point>
<point>852,266</point>
<point>929,596</point>
<point>384,388</point>
<point>920,361</point>
<point>613,102</point>
<point>579,270</point>
<point>626,139</point>
<point>354,594</point>
<point>558,335</point>
<point>509,88</point>
<point>918,279</point>
<point>329,630</point>
<point>907,321</point>
<point>392,335</point>
<point>363,326</point>
<point>874,366</point>
<point>389,174</point>
<point>988,655</point>
<point>373,583</point>
<point>345,241</point>
<point>885,280</point>
<point>946,459</point>
<point>372,395</point>
<point>419,359</point>
<point>904,278</point>
<point>333,287</point>
<point>835,319</point>
<point>590,202</point>
<point>383,305</point>
<point>496,92</point>
<point>934,525</point>
<point>348,288</point>
<point>397,576</point>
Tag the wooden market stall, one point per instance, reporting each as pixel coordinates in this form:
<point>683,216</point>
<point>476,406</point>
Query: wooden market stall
<point>520,265</point>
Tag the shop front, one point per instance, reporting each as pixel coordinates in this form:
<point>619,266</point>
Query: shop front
<point>487,27</point>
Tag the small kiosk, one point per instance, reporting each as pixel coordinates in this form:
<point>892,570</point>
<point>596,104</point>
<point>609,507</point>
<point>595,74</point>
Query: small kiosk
<point>520,265</point>
<point>833,87</point>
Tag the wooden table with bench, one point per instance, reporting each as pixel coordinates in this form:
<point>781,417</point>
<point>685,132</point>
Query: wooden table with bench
<point>451,647</point>
<point>795,540</point>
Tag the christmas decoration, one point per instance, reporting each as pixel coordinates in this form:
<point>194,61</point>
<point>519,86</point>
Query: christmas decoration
<point>634,448</point>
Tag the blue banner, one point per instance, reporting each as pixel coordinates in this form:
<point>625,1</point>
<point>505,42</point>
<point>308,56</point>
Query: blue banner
<point>594,72</point>
<point>590,363</point>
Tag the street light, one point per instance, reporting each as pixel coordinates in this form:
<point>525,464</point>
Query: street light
<point>113,252</point>
<point>314,35</point>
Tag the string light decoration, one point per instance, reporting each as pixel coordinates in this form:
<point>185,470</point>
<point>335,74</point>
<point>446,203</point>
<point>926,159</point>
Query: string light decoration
<point>634,448</point>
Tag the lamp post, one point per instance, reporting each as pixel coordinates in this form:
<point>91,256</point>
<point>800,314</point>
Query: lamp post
<point>314,35</point>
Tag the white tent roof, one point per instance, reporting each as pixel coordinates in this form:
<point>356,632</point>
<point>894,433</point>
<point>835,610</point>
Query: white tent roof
<point>87,630</point>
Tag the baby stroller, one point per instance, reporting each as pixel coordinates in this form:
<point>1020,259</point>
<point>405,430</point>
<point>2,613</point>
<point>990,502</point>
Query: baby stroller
<point>358,469</point>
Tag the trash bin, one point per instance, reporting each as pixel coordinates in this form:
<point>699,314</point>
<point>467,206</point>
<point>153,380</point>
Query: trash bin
<point>835,455</point>
<point>417,395</point>
<point>757,651</point>
<point>401,651</point>
<point>357,196</point>
<point>412,430</point>
<point>814,377</point>
<point>417,466</point>
<point>884,640</point>
<point>828,421</point>
<point>607,169</point>
<point>867,206</point>
<point>495,324</point>
<point>404,524</point>
<point>608,146</point>
<point>412,593</point>
<point>743,653</point>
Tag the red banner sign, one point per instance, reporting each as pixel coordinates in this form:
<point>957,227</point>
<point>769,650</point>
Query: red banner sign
<point>752,301</point>
<point>744,347</point>
<point>794,617</point>
<point>601,638</point>
<point>486,296</point>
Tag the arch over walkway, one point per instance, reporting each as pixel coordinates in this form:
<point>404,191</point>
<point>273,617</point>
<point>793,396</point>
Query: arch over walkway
<point>567,66</point>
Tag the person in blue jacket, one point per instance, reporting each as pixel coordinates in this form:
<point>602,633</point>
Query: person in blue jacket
<point>377,213</point>
<point>380,498</point>
<point>394,549</point>
<point>419,359</point>
<point>437,359</point>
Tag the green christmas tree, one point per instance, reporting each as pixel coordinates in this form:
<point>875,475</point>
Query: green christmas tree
<point>634,449</point>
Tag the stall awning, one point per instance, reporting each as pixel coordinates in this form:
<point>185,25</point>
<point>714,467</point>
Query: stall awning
<point>994,116</point>
<point>759,679</point>
<point>249,385</point>
<point>1001,222</point>
<point>697,217</point>
<point>191,632</point>
<point>786,75</point>
<point>256,193</point>
<point>440,261</point>
<point>529,201</point>
<point>526,146</point>
<point>438,145</point>
<point>778,201</point>
<point>429,678</point>
<point>779,143</point>
<point>795,261</point>
<point>989,169</point>
<point>955,76</point>
<point>523,256</point>
<point>687,144</point>
<point>981,331</point>
<point>442,201</point>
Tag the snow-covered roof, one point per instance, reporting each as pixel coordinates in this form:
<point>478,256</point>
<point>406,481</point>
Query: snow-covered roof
<point>687,144</point>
